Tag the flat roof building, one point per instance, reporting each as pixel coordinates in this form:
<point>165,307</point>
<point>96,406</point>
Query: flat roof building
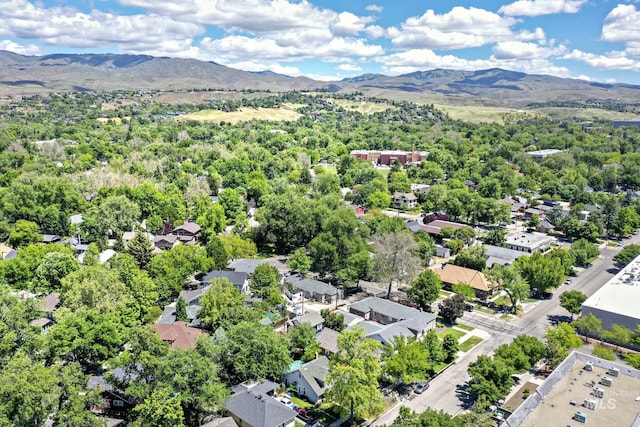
<point>582,389</point>
<point>528,242</point>
<point>542,154</point>
<point>616,302</point>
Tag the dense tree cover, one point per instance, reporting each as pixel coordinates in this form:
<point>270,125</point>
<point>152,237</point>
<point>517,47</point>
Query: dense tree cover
<point>572,301</point>
<point>627,254</point>
<point>425,289</point>
<point>137,167</point>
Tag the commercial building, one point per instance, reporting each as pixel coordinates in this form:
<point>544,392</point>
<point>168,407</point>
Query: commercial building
<point>617,301</point>
<point>583,389</point>
<point>528,242</point>
<point>540,155</point>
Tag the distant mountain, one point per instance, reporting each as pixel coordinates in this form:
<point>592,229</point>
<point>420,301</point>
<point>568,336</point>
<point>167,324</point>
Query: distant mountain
<point>95,72</point>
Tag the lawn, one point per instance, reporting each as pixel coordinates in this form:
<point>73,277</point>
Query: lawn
<point>469,344</point>
<point>300,403</point>
<point>465,327</point>
<point>456,333</point>
<point>485,310</point>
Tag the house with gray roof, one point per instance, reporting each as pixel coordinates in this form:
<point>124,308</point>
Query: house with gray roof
<point>247,265</point>
<point>312,318</point>
<point>503,256</point>
<point>328,341</point>
<point>309,379</point>
<point>239,279</point>
<point>314,289</point>
<point>387,312</point>
<point>252,405</point>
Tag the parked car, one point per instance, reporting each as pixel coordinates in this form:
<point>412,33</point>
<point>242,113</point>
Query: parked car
<point>420,388</point>
<point>468,307</point>
<point>286,401</point>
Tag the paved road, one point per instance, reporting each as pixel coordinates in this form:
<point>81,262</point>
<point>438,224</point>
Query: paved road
<point>443,392</point>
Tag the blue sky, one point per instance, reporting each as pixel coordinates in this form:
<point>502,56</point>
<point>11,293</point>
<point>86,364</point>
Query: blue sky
<point>332,39</point>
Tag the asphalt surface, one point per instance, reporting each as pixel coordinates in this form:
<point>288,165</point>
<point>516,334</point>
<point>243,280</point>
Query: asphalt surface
<point>444,391</point>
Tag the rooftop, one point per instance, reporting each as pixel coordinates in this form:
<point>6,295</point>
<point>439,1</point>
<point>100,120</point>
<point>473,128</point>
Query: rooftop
<point>621,294</point>
<point>527,240</point>
<point>563,393</point>
<point>455,274</point>
<point>311,285</point>
<point>546,152</point>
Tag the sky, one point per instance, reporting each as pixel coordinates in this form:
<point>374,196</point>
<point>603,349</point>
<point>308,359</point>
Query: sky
<point>596,40</point>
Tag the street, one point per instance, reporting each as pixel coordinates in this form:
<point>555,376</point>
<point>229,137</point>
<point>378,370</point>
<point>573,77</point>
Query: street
<point>443,392</point>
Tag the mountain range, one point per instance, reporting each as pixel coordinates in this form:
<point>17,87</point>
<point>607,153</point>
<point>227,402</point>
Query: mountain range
<point>104,72</point>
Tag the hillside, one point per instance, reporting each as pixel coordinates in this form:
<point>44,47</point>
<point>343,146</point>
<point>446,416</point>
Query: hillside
<point>97,72</point>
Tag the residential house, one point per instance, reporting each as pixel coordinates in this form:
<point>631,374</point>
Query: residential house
<point>470,184</point>
<point>545,227</point>
<point>314,289</point>
<point>328,341</point>
<point>385,312</point>
<point>253,405</point>
<point>434,228</point>
<point>247,265</point>
<point>50,303</point>
<point>76,244</point>
<point>178,334</point>
<point>114,402</point>
<point>442,252</point>
<point>312,318</point>
<point>358,210</point>
<point>51,238</point>
<point>309,379</point>
<point>503,256</point>
<point>165,241</point>
<point>7,252</point>
<point>127,236</point>
<point>239,279</point>
<point>420,188</point>
<point>220,422</point>
<point>404,200</point>
<point>42,323</point>
<point>192,304</point>
<point>187,233</point>
<point>529,242</point>
<point>453,274</point>
<point>76,219</point>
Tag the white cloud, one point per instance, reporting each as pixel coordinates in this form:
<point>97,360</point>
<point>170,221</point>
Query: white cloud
<point>517,49</point>
<point>235,48</point>
<point>459,28</point>
<point>70,28</point>
<point>349,67</point>
<point>424,59</point>
<point>374,8</point>
<point>349,24</point>
<point>11,46</point>
<point>541,7</point>
<point>584,77</point>
<point>611,61</point>
<point>375,31</point>
<point>621,24</point>
<point>257,66</point>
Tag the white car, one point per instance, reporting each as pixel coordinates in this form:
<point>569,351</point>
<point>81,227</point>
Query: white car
<point>285,401</point>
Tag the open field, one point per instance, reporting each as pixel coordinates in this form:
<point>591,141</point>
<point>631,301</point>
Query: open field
<point>364,107</point>
<point>470,343</point>
<point>243,115</point>
<point>486,114</point>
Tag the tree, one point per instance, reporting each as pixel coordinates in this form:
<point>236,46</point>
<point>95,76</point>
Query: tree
<point>161,409</point>
<point>619,335</point>
<point>588,325</point>
<point>352,383</point>
<point>181,310</point>
<point>378,199</point>
<point>116,214</point>
<point>221,304</point>
<point>24,233</point>
<point>396,260</point>
<point>627,254</point>
<point>231,202</point>
<point>564,334</point>
<point>572,301</point>
<point>509,280</point>
<point>452,308</point>
<point>541,273</point>
<point>253,351</point>
<point>237,247</point>
<point>425,289</point>
<point>491,379</point>
<point>264,280</point>
<point>584,252</point>
<point>450,346</point>
<point>95,287</point>
<point>465,290</point>
<point>531,346</point>
<point>332,320</point>
<point>496,237</point>
<point>301,337</point>
<point>141,249</point>
<point>405,360</point>
<point>603,352</point>
<point>217,252</point>
<point>299,261</point>
<point>534,222</point>
<point>472,257</point>
<point>54,267</point>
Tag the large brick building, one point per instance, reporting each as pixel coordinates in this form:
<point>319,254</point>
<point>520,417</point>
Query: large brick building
<point>387,157</point>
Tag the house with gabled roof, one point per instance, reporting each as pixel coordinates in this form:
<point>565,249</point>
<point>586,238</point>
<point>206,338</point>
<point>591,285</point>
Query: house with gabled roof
<point>178,334</point>
<point>309,379</point>
<point>453,274</point>
<point>187,233</point>
<point>404,200</point>
<point>314,289</point>
<point>384,312</point>
<point>165,241</point>
<point>6,252</point>
<point>239,279</point>
<point>114,402</point>
<point>253,405</point>
<point>328,340</point>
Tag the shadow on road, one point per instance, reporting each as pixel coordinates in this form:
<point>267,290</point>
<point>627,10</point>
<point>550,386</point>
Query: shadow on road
<point>554,319</point>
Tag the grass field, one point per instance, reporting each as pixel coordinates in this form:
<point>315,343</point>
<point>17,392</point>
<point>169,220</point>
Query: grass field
<point>456,333</point>
<point>469,344</point>
<point>243,115</point>
<point>479,114</point>
<point>364,107</point>
<point>465,327</point>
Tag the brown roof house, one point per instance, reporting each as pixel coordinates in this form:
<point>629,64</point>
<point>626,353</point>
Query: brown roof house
<point>187,233</point>
<point>453,274</point>
<point>179,334</point>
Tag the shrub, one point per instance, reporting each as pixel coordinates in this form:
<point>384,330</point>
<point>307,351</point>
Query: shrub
<point>604,353</point>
